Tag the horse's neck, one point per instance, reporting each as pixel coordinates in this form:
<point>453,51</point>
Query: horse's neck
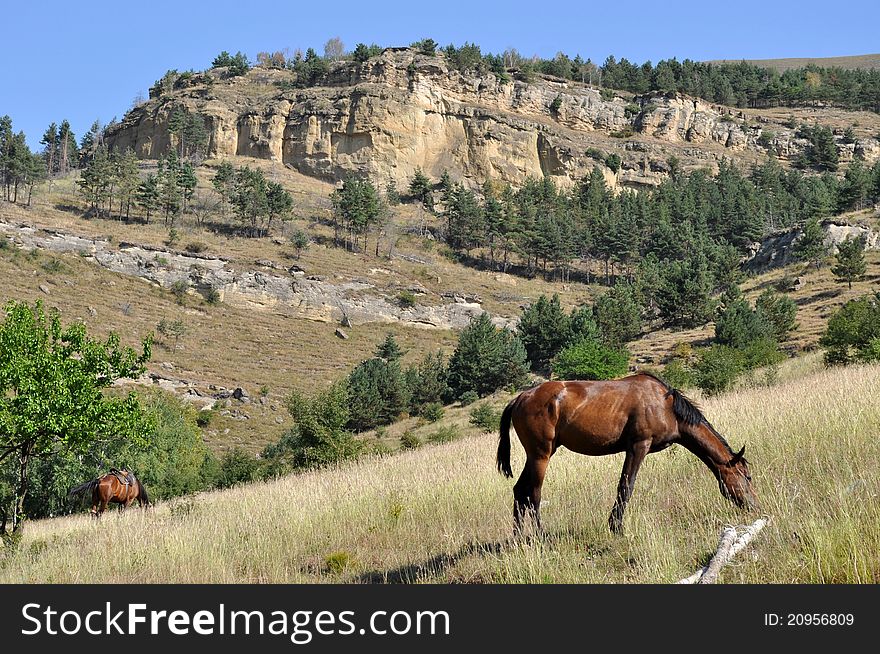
<point>709,448</point>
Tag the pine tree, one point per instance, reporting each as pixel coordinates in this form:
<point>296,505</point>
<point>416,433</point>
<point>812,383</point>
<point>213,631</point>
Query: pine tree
<point>389,349</point>
<point>170,195</point>
<point>810,247</point>
<point>544,329</point>
<point>96,180</point>
<point>850,257</point>
<point>125,170</point>
<point>50,148</point>
<point>147,196</point>
<point>420,188</point>
<point>486,359</point>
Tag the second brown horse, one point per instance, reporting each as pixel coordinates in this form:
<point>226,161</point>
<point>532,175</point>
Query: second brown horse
<point>118,486</point>
<point>637,415</point>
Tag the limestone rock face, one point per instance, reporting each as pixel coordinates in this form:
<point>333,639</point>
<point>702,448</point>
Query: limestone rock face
<point>778,250</point>
<point>402,110</point>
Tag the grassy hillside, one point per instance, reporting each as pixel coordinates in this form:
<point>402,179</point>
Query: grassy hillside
<point>278,348</point>
<point>865,62</point>
<point>442,513</point>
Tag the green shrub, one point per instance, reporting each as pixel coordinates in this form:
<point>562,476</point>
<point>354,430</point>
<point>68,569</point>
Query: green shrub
<point>623,133</point>
<point>337,562</point>
<point>180,289</point>
<point>677,374</point>
<point>853,332</point>
<point>203,418</point>
<point>590,359</point>
<point>409,441</point>
<point>613,162</point>
<point>238,466</point>
<point>432,412</point>
<point>443,435</point>
<point>319,436</point>
<point>53,266</point>
<point>717,368</point>
<point>779,311</point>
<point>212,296</point>
<point>406,299</point>
<point>468,397</point>
<point>485,417</point>
<point>196,247</point>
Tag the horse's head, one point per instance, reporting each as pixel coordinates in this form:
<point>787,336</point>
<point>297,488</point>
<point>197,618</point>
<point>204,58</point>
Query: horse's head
<point>736,481</point>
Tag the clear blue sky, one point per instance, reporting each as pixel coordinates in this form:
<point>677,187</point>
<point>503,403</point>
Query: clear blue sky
<point>88,60</point>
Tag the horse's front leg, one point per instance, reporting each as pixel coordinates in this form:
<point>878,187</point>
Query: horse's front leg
<point>635,454</point>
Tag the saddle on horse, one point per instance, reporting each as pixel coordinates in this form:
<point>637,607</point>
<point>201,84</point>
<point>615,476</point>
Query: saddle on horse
<point>124,476</point>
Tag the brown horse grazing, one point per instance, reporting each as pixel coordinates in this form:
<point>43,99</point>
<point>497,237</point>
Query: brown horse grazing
<point>119,486</point>
<point>637,415</point>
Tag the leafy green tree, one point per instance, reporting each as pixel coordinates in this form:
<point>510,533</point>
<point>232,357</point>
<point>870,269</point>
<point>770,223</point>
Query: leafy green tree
<point>855,190</point>
<point>485,359</point>
<point>737,324</point>
<point>685,294</point>
<point>618,314</point>
<point>300,241</point>
<point>168,182</point>
<point>590,359</point>
<point>779,311</point>
<point>125,169</point>
<point>421,189</point>
<point>717,368</point>
<point>223,184</point>
<point>237,64</point>
<point>544,329</point>
<point>96,180</point>
<point>52,381</point>
<point>363,52</point>
<point>356,208</point>
<point>810,247</point>
<point>279,203</point>
<point>190,131</point>
<point>850,257</point>
<point>426,47</point>
<point>377,393</point>
<point>147,196</point>
<point>853,332</point>
<point>176,461</point>
<point>389,349</point>
<point>319,436</point>
<point>428,382</point>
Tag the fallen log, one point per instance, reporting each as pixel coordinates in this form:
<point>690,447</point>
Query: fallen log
<point>728,547</point>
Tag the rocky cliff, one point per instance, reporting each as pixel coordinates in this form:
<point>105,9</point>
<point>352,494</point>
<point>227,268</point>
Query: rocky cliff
<point>403,110</point>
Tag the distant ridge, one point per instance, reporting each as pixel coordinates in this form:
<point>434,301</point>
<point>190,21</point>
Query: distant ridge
<point>866,62</point>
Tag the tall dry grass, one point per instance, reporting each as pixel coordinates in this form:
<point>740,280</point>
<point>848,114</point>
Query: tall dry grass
<point>442,513</point>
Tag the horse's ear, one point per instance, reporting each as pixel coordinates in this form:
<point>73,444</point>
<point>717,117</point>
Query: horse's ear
<point>738,456</point>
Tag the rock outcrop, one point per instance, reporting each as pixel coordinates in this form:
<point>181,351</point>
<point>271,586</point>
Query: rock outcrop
<point>353,301</point>
<point>778,250</point>
<point>403,110</point>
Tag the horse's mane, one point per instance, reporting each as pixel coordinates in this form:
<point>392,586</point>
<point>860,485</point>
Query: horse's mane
<point>686,409</point>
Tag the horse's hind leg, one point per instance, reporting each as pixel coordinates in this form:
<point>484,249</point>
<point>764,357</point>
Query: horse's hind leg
<point>634,457</point>
<point>527,493</point>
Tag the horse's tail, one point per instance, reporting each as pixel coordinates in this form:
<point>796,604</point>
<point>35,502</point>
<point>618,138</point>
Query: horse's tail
<point>142,497</point>
<point>502,459</point>
<point>89,487</point>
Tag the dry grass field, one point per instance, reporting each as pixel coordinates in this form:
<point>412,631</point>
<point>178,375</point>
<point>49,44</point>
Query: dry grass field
<point>867,62</point>
<point>442,514</point>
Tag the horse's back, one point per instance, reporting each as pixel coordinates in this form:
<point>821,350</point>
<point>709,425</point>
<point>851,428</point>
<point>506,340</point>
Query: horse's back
<point>596,417</point>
